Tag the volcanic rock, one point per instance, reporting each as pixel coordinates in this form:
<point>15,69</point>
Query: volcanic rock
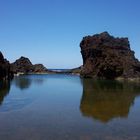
<point>39,68</point>
<point>107,57</point>
<point>5,68</point>
<point>24,65</point>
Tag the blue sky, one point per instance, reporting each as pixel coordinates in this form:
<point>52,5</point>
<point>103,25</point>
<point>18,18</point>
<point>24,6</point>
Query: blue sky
<point>49,31</point>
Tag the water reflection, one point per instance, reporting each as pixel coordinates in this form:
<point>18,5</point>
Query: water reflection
<point>25,81</point>
<point>17,100</point>
<point>22,83</point>
<point>4,90</point>
<point>105,100</point>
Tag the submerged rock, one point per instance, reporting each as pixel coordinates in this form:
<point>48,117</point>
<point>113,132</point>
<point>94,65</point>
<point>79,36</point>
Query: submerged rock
<point>5,68</point>
<point>105,56</point>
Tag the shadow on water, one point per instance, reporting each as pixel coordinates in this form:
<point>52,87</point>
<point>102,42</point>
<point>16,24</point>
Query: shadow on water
<point>105,100</point>
<point>4,90</point>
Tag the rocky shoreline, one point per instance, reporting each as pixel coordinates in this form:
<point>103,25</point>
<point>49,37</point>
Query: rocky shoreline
<point>104,57</point>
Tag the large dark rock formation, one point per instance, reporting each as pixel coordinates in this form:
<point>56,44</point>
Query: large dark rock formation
<point>5,68</point>
<point>105,56</point>
<point>24,65</point>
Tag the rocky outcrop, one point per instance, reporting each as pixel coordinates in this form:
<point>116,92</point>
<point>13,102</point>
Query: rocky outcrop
<point>5,68</point>
<point>39,68</point>
<point>24,65</point>
<point>105,56</point>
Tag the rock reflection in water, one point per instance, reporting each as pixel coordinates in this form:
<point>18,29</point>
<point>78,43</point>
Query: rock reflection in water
<point>105,100</point>
<point>18,100</point>
<point>22,83</point>
<point>4,90</point>
<point>25,81</point>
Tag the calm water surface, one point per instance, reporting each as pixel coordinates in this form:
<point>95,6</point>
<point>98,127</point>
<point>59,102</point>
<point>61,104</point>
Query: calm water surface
<point>66,107</point>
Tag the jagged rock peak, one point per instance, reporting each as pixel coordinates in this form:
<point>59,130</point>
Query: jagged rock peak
<point>23,59</point>
<point>104,39</point>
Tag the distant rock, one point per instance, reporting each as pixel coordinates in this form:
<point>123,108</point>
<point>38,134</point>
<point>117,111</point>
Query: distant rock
<point>24,65</point>
<point>105,56</point>
<point>39,68</point>
<point>76,70</point>
<point>5,68</point>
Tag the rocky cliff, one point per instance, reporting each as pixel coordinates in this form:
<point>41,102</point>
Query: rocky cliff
<point>5,68</point>
<point>24,65</point>
<point>105,56</point>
